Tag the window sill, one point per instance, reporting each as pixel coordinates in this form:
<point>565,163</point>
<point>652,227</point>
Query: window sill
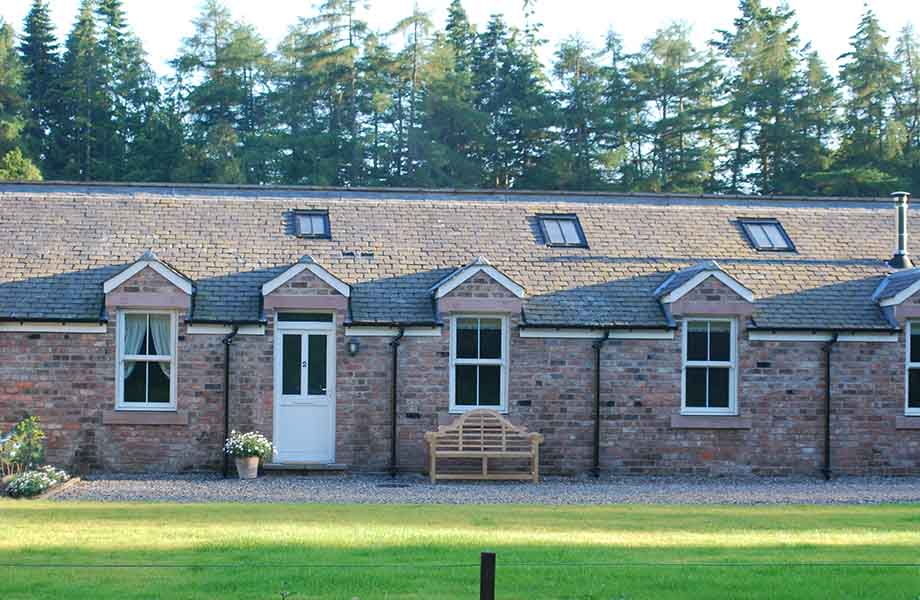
<point>908,422</point>
<point>709,422</point>
<point>137,417</point>
<point>461,411</point>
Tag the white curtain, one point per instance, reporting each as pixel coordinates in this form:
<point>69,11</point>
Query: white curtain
<point>135,328</point>
<point>161,330</point>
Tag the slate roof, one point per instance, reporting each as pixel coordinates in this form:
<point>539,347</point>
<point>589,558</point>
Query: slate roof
<point>679,278</point>
<point>61,241</point>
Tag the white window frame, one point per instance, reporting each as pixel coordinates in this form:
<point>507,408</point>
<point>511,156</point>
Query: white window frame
<point>502,362</point>
<point>908,411</point>
<point>121,358</point>
<point>732,365</point>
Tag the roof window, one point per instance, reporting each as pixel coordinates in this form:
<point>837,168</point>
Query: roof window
<point>562,230</point>
<point>767,235</point>
<point>312,224</point>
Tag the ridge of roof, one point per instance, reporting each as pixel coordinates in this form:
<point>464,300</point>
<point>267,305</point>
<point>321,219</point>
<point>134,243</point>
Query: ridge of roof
<point>495,194</point>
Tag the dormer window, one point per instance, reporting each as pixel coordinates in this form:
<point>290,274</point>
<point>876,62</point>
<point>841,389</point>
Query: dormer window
<point>767,235</point>
<point>562,230</point>
<point>312,224</point>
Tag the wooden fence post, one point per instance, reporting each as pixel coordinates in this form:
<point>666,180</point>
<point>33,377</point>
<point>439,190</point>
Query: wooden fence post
<point>487,576</point>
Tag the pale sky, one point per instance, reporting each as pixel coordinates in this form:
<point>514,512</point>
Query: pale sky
<point>828,24</point>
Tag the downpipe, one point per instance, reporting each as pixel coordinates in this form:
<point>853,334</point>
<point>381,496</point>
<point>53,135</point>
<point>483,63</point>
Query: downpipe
<point>828,348</point>
<point>597,345</point>
<point>227,342</point>
<point>394,345</point>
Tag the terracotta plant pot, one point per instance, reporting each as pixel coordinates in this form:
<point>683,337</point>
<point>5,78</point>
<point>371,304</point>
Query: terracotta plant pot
<point>248,467</point>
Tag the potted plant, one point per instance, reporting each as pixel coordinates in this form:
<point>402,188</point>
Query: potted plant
<point>247,449</point>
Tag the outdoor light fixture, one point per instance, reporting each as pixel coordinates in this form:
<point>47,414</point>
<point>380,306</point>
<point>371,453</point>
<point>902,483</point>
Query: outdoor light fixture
<point>353,347</point>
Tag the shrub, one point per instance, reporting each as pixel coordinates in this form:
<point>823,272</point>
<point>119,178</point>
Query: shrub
<point>33,483</point>
<point>242,445</point>
<point>23,448</point>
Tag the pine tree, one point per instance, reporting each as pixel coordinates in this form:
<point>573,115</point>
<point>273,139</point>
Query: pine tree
<point>675,85</point>
<point>764,54</point>
<point>863,162</point>
<point>813,125</point>
<point>13,165</point>
<point>129,93</point>
<point>221,77</point>
<point>81,100</point>
<point>39,51</point>
<point>581,117</point>
<point>415,30</point>
<point>450,120</point>
<point>907,105</point>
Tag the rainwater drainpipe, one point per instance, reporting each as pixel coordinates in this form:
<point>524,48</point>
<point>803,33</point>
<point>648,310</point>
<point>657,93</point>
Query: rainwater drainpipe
<point>227,341</point>
<point>597,345</point>
<point>394,465</point>
<point>828,347</point>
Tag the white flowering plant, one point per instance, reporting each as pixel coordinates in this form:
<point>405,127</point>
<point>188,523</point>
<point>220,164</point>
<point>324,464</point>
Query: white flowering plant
<point>243,445</point>
<point>33,483</point>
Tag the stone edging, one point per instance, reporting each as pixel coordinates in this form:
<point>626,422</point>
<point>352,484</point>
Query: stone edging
<point>57,489</point>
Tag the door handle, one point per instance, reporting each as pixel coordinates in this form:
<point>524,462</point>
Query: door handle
<point>303,364</point>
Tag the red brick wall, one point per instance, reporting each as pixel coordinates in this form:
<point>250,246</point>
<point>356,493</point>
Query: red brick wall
<point>68,380</point>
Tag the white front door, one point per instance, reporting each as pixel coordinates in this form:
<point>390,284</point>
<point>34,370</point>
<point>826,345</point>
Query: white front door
<point>304,419</point>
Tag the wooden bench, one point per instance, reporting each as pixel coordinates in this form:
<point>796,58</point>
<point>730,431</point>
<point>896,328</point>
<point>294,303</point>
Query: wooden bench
<point>483,434</point>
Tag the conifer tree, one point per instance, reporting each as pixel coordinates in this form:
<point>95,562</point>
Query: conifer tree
<point>41,71</point>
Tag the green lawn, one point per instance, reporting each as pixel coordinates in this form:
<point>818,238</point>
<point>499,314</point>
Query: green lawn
<point>229,551</point>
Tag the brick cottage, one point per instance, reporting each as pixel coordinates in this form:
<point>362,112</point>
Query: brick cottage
<point>639,333</point>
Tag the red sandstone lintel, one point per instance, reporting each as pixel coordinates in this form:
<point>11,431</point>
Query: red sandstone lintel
<point>335,302</point>
<point>132,417</point>
<point>485,305</point>
<point>147,300</point>
<point>700,307</point>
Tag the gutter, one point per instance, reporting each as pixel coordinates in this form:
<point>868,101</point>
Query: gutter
<point>612,327</point>
<point>227,341</point>
<point>399,324</point>
<point>828,347</point>
<point>99,320</point>
<point>597,345</point>
<point>394,461</point>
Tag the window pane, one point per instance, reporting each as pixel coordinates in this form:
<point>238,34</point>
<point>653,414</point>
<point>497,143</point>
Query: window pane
<point>718,387</point>
<point>465,385</point>
<point>697,340</point>
<point>760,237</point>
<point>569,231</point>
<point>316,371</point>
<point>915,343</point>
<point>720,341</point>
<point>159,335</point>
<point>135,388</point>
<point>490,338</point>
<point>291,352</point>
<point>695,391</point>
<point>913,392</point>
<point>158,383</point>
<point>135,334</point>
<point>318,225</point>
<point>467,338</point>
<point>490,385</point>
<point>553,231</point>
<point>776,237</point>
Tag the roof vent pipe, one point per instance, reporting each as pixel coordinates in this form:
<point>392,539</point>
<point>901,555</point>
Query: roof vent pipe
<point>901,260</point>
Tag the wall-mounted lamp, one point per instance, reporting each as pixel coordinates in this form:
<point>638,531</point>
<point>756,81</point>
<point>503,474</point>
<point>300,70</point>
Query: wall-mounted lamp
<point>353,347</point>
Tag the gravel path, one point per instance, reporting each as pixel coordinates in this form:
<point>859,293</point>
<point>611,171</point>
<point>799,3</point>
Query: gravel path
<point>415,490</point>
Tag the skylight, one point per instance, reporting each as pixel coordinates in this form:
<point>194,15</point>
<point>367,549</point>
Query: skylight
<point>312,224</point>
<point>562,230</point>
<point>767,235</point>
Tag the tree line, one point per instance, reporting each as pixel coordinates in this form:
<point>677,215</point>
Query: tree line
<point>338,104</point>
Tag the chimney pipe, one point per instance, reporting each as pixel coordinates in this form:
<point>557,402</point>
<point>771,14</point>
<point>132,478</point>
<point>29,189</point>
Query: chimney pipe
<point>901,260</point>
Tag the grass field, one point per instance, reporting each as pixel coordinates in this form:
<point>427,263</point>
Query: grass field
<point>229,551</point>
